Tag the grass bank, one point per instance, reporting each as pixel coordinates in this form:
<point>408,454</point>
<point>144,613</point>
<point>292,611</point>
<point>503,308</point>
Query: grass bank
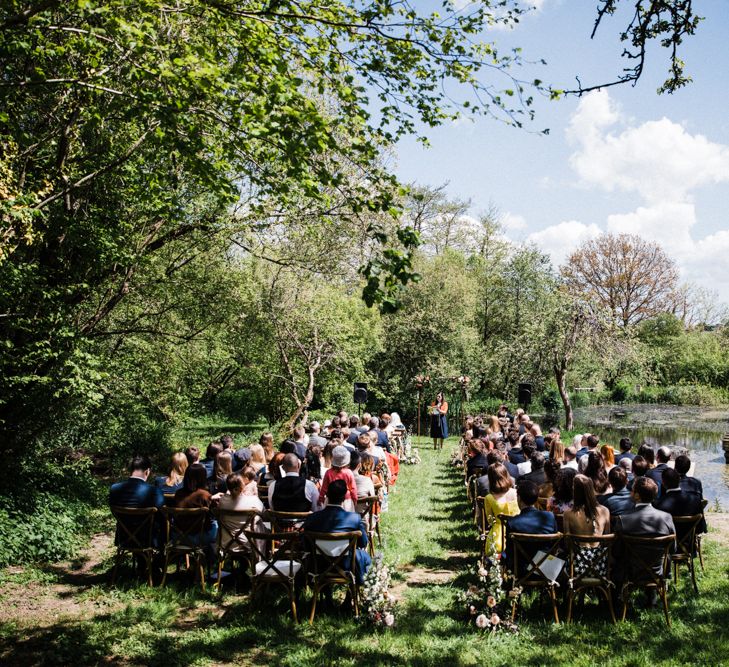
<point>67,614</point>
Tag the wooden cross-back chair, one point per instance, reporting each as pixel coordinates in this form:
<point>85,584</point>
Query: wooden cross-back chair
<point>276,558</point>
<point>526,564</point>
<point>186,529</point>
<point>366,509</point>
<point>286,522</point>
<point>643,556</point>
<point>263,494</point>
<point>329,553</point>
<point>169,499</point>
<point>704,503</point>
<point>590,569</point>
<point>231,541</point>
<point>134,535</point>
<point>686,545</point>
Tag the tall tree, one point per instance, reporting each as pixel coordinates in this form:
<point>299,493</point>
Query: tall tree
<point>631,277</point>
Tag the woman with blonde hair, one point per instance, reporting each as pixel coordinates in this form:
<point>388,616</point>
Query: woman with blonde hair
<point>266,441</point>
<point>258,457</point>
<point>501,499</point>
<point>556,451</point>
<point>173,481</point>
<point>222,467</point>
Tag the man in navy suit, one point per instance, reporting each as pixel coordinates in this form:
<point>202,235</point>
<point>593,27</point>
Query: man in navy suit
<point>678,502</point>
<point>682,466</point>
<point>619,501</point>
<point>335,519</point>
<point>625,446</point>
<point>135,492</point>
<point>663,456</point>
<point>530,520</point>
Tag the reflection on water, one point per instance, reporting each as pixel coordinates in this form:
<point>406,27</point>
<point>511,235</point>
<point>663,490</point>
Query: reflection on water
<point>698,430</point>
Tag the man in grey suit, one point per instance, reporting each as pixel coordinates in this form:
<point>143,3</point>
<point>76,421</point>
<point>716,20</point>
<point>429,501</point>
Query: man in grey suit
<point>644,521</point>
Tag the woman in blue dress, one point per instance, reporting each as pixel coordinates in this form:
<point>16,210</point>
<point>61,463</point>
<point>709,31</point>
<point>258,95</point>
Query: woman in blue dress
<point>439,420</point>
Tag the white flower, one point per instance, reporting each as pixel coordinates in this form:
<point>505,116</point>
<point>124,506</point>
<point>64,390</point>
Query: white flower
<point>389,620</point>
<point>481,621</point>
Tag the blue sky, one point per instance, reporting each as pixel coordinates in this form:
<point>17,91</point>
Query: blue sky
<point>623,159</point>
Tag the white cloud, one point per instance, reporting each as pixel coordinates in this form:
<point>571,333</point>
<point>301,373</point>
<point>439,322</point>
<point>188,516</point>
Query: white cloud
<point>658,159</point>
<point>560,240</point>
<point>512,222</point>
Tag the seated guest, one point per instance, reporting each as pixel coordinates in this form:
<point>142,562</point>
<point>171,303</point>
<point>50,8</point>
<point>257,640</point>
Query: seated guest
<point>608,455</point>
<point>194,493</point>
<point>476,458</point>
<point>591,445</point>
<point>595,470</point>
<point>365,486</point>
<point>551,468</point>
<point>211,453</point>
<point>619,501</point>
<point>529,520</point>
<point>625,446</point>
<point>516,455</point>
<point>273,469</point>
<point>692,484</point>
<point>678,502</point>
<point>258,457</point>
<point>501,499</point>
<point>648,453</point>
<point>135,492</point>
<point>663,456</point>
<point>266,441</point>
<point>300,442</point>
<point>586,517</point>
<point>583,447</point>
<point>292,492</point>
<point>537,472</point>
<point>645,520</point>
<point>315,435</point>
<point>314,464</point>
<point>340,470</point>
<point>376,449</point>
<point>639,469</point>
<point>527,449</point>
<point>193,455</point>
<point>241,459</point>
<point>556,451</point>
<point>482,483</point>
<point>173,480</point>
<point>233,501</point>
<point>222,468</point>
<point>226,442</point>
<point>561,501</point>
<point>627,465</point>
<point>250,481</point>
<point>335,519</point>
<point>570,458</point>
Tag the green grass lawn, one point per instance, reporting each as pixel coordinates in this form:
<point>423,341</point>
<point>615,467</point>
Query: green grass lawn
<point>428,536</point>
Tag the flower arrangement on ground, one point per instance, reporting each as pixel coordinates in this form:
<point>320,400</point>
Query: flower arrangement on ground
<point>378,607</point>
<point>488,604</point>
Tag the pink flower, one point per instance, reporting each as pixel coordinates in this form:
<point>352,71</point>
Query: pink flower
<point>472,610</point>
<point>490,601</point>
<point>495,620</point>
<point>481,621</point>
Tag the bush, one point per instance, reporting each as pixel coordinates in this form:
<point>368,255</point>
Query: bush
<point>621,392</point>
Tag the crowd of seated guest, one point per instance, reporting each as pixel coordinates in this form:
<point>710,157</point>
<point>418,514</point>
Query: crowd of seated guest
<point>305,475</point>
<point>588,487</point>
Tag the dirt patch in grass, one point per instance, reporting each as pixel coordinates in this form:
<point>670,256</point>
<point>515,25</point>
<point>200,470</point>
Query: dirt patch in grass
<point>43,597</point>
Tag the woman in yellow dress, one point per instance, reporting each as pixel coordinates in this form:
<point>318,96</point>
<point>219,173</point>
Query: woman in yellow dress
<point>501,499</point>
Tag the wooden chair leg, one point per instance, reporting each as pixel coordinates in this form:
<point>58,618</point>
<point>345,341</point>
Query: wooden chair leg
<point>201,569</point>
<point>553,597</point>
<point>692,570</point>
<point>701,554</point>
<point>570,598</point>
<point>217,586</point>
<point>675,573</point>
<point>314,599</point>
<point>609,596</point>
<point>148,560</point>
<point>292,600</point>
<point>664,598</point>
<point>164,573</point>
<point>117,562</point>
<point>624,594</point>
<point>355,600</point>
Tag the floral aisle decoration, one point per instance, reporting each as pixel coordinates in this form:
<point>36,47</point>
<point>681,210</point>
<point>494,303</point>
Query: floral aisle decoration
<point>488,605</point>
<point>422,381</point>
<point>378,607</point>
<point>410,454</point>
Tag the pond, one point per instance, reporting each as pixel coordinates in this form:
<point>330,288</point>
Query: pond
<point>696,429</point>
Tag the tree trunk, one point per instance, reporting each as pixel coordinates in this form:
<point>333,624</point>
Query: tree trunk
<point>560,374</point>
<point>302,408</point>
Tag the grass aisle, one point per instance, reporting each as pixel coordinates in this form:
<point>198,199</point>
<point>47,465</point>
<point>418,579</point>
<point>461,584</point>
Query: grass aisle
<point>66,614</point>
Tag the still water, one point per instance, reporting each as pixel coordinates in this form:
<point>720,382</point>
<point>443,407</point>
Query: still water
<point>698,430</point>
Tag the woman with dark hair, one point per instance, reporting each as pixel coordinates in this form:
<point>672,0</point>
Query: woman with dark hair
<point>194,493</point>
<point>273,471</point>
<point>266,441</point>
<point>551,470</point>
<point>501,499</point>
<point>313,464</point>
<point>596,471</point>
<point>438,420</point>
<point>587,518</point>
<point>648,453</point>
<point>561,501</point>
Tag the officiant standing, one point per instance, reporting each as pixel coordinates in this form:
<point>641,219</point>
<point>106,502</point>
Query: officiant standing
<point>439,420</point>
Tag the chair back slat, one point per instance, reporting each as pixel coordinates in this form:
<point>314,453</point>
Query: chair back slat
<point>135,527</point>
<point>186,527</point>
<point>234,523</point>
<point>645,555</point>
<point>525,561</point>
<point>329,564</point>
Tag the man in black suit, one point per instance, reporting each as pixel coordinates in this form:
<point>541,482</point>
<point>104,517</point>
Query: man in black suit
<point>663,456</point>
<point>678,502</point>
<point>692,484</point>
<point>515,453</point>
<point>625,446</point>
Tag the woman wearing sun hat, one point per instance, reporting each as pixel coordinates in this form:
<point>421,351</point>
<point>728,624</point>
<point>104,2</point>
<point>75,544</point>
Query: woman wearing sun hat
<point>340,470</point>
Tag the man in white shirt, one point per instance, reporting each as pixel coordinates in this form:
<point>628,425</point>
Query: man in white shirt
<point>570,460</point>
